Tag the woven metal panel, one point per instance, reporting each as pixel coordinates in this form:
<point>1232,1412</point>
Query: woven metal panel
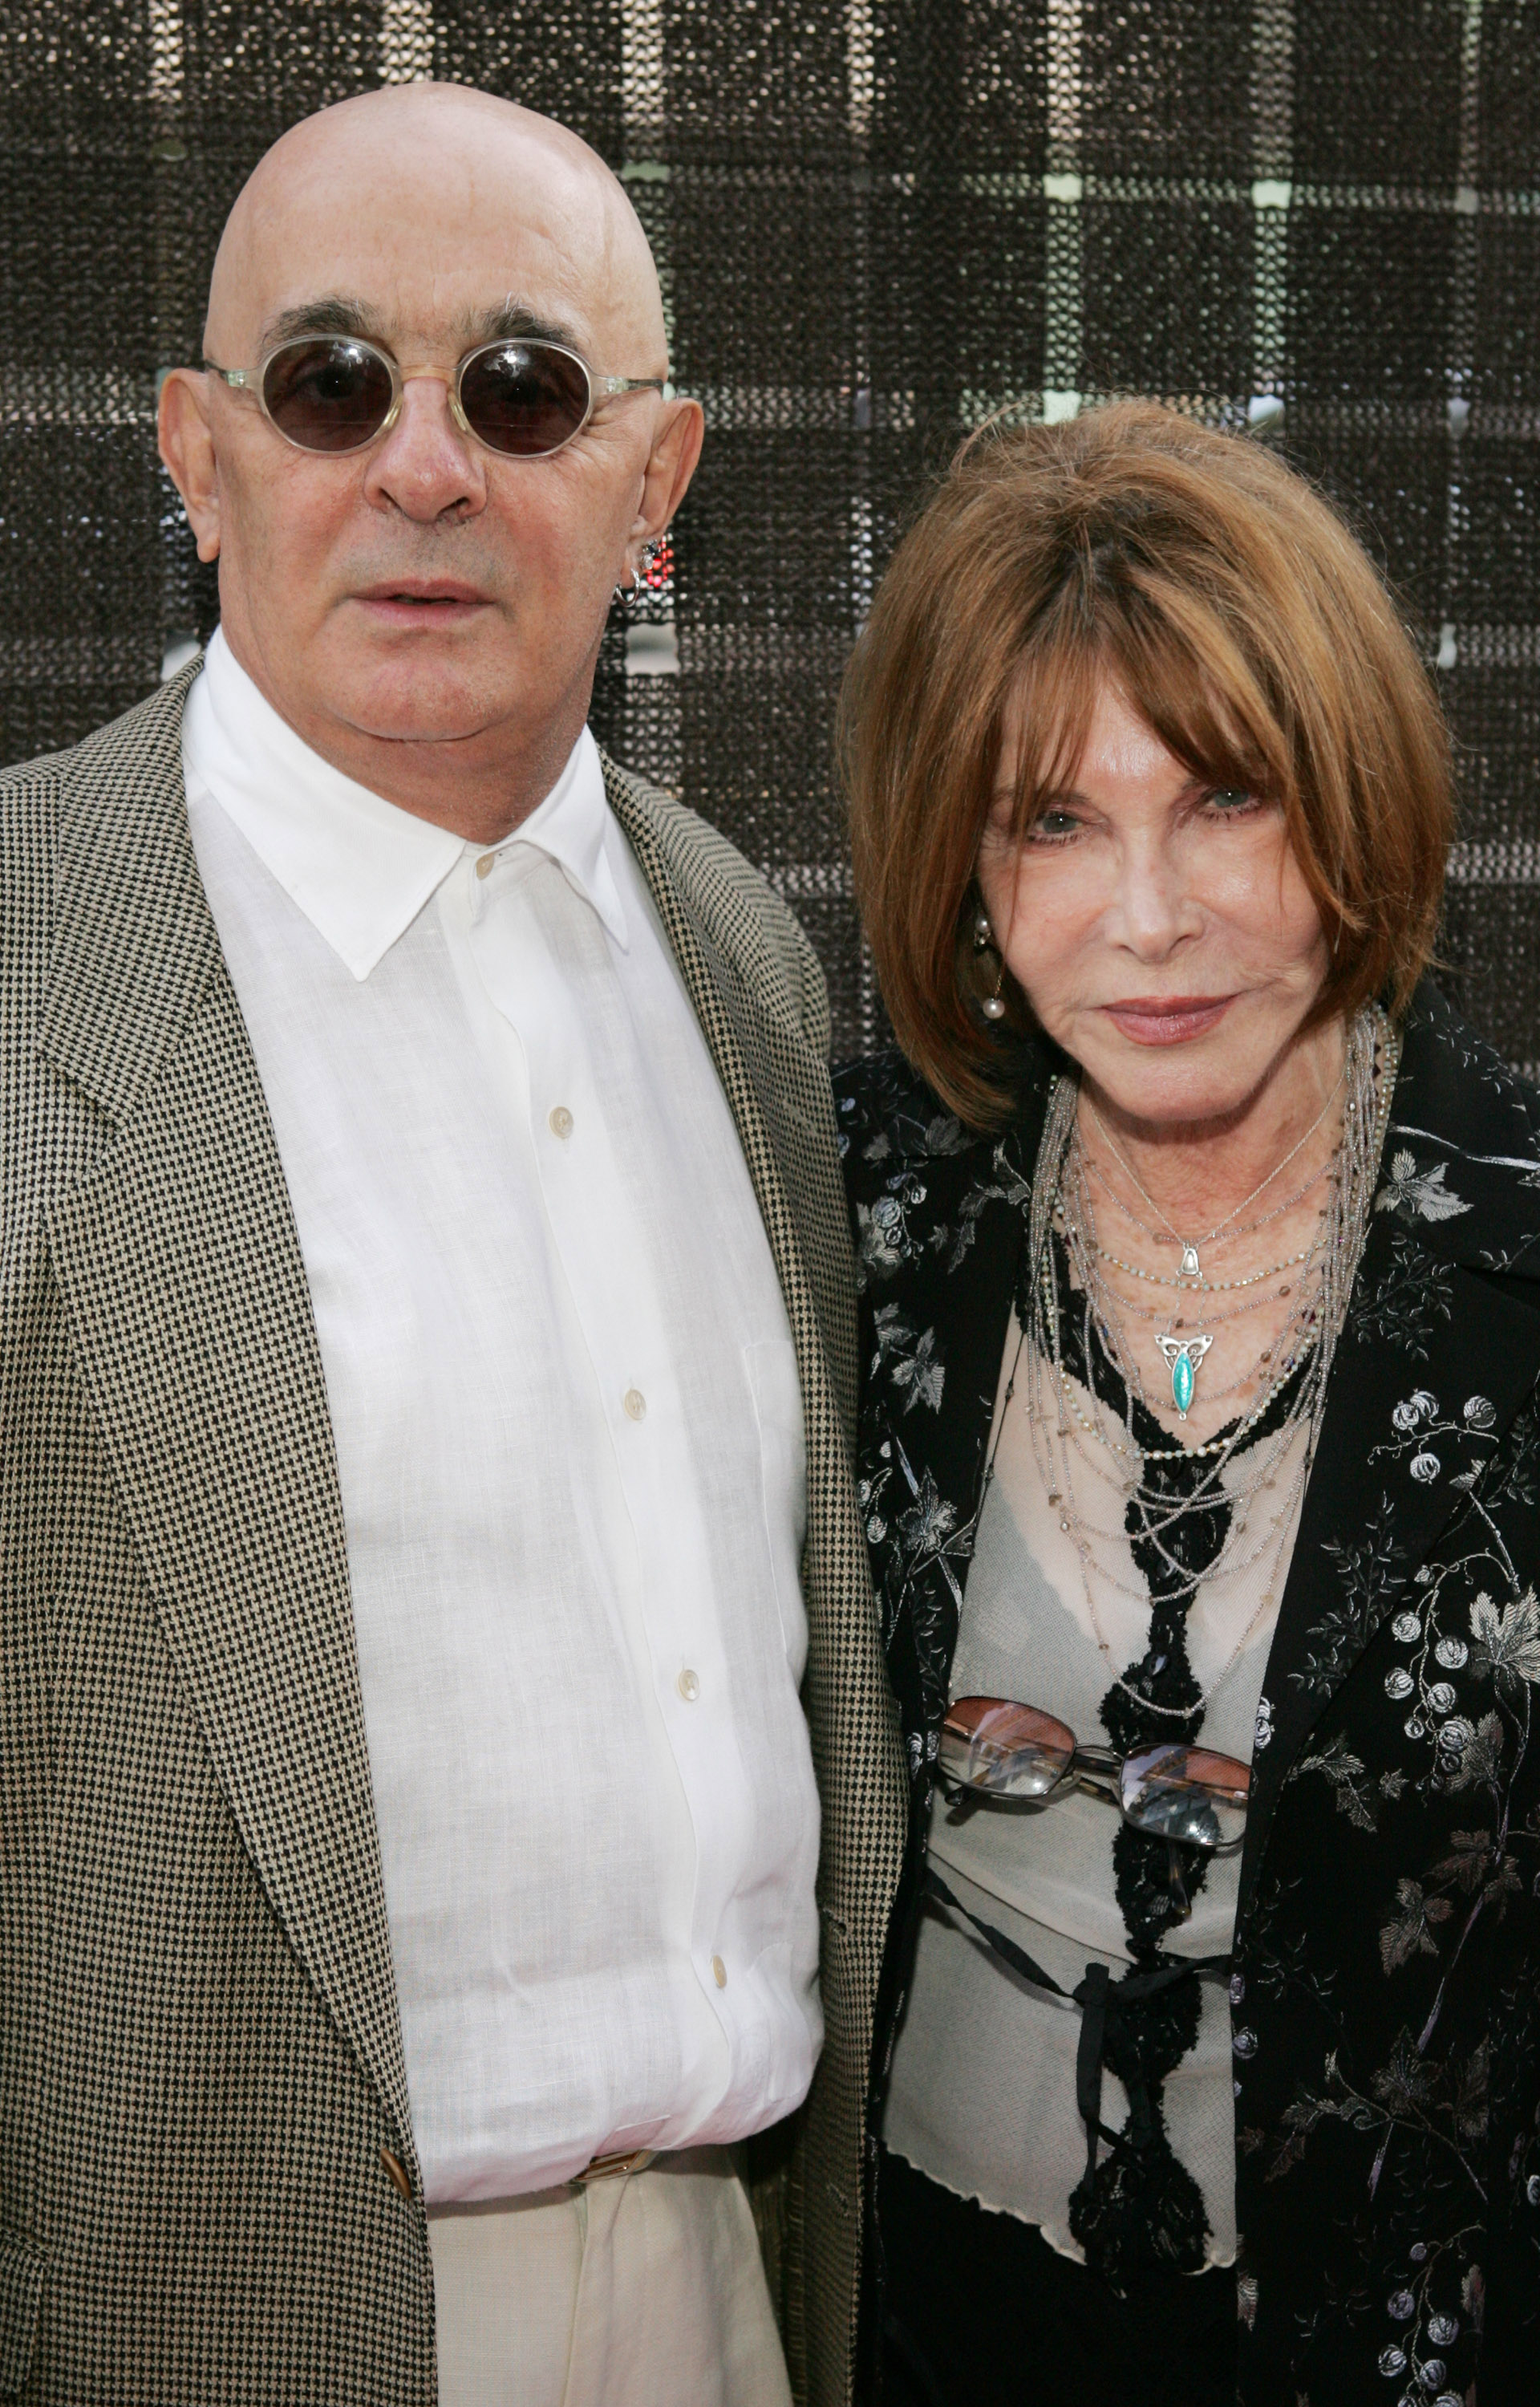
<point>876,219</point>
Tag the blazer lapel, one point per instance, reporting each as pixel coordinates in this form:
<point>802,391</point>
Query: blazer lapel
<point>779,1093</point>
<point>178,1261</point>
<point>776,1085</point>
<point>1440,1349</point>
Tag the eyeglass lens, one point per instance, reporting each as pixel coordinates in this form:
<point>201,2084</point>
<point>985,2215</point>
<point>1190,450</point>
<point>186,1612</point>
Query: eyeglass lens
<point>1003,1749</point>
<point>328,393</point>
<point>524,398</point>
<point>1188,1793</point>
<point>997,1749</point>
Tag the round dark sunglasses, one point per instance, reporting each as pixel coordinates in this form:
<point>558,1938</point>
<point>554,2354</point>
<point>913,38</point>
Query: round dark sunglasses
<point>335,393</point>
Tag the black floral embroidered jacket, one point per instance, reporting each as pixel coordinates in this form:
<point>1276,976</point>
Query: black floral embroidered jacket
<point>1385,1975</point>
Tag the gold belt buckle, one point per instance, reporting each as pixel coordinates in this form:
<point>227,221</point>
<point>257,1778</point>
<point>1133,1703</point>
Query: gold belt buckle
<point>624,2161</point>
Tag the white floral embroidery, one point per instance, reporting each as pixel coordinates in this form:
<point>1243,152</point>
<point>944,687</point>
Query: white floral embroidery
<point>908,1360</point>
<point>921,1374</point>
<point>1480,1411</point>
<point>1507,1644</point>
<point>883,1239</point>
<point>1411,1191</point>
<point>1425,1466</point>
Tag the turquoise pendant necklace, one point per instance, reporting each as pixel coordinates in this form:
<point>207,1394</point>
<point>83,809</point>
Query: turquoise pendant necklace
<point>1183,1357</point>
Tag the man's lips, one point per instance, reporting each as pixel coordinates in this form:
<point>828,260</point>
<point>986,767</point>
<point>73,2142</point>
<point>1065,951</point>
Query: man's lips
<point>1167,1019</point>
<point>416,600</point>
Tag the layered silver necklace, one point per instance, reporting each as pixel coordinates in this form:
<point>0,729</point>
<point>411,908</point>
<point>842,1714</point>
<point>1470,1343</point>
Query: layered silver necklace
<point>1079,1451</point>
<point>1183,1356</point>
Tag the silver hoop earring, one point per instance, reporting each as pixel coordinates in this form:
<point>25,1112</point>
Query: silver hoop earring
<point>992,1003</point>
<point>637,590</point>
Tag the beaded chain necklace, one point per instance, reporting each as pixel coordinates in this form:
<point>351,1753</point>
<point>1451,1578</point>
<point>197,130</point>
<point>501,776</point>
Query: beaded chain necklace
<point>1264,1221</point>
<point>1182,1517</point>
<point>1183,1356</point>
<point>1071,1444</point>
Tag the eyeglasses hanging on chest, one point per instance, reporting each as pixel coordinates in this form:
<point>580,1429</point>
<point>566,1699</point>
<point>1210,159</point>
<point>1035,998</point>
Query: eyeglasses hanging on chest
<point>995,1750</point>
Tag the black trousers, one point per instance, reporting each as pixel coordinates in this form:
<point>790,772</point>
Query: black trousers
<point>980,2312</point>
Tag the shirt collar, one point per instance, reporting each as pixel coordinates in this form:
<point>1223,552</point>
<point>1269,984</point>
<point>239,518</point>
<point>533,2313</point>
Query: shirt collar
<point>576,827</point>
<point>358,867</point>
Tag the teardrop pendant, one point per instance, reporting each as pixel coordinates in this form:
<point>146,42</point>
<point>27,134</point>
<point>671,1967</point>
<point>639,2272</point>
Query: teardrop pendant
<point>1182,1355</point>
<point>1190,1266</point>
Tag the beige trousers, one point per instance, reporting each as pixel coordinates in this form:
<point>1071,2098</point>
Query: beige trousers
<point>644,2290</point>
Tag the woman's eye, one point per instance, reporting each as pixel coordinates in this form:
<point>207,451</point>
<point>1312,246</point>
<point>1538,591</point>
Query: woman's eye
<point>1054,826</point>
<point>1231,798</point>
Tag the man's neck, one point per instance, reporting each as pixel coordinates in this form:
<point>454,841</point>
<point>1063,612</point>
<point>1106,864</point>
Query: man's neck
<point>480,786</point>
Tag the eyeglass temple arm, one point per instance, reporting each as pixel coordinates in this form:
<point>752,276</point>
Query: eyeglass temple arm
<point>231,376</point>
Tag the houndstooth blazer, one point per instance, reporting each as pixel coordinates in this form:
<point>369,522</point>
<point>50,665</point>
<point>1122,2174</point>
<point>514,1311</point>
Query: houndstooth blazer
<point>201,2066</point>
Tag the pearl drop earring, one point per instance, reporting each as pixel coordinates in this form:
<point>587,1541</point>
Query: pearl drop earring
<point>992,1003</point>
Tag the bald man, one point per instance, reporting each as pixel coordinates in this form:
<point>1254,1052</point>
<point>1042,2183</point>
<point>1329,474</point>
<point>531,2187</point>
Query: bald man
<point>434,1609</point>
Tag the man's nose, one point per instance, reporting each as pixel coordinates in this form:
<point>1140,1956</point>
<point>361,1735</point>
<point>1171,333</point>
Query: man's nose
<point>1151,911</point>
<point>428,466</point>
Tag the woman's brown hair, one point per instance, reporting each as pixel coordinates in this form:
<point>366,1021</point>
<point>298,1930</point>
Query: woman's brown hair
<point>1244,625</point>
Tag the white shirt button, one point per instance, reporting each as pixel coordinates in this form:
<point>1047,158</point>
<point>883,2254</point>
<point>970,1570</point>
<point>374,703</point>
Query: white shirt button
<point>559,1119</point>
<point>635,1404</point>
<point>486,865</point>
<point>689,1685</point>
<point>719,1972</point>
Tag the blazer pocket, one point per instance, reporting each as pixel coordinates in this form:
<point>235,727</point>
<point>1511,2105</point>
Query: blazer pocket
<point>23,2265</point>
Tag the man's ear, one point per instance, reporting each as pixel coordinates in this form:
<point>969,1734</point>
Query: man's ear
<point>187,446</point>
<point>677,448</point>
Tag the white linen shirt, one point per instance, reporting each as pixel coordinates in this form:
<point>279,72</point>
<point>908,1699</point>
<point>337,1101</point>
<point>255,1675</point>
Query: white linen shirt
<point>569,1434</point>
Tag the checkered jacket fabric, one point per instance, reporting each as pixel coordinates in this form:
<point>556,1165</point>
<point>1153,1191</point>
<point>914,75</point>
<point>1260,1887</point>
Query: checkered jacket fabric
<point>201,2057</point>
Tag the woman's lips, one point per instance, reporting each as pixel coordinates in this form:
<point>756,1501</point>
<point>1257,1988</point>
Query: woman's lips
<point>1167,1020</point>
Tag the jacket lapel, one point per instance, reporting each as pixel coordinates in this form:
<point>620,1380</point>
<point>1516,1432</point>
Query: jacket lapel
<point>178,1261</point>
<point>1440,1349</point>
<point>777,1088</point>
<point>779,1093</point>
<point>776,1084</point>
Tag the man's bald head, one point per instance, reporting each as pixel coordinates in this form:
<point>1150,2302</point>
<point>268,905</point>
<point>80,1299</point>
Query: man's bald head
<point>327,210</point>
<point>425,611</point>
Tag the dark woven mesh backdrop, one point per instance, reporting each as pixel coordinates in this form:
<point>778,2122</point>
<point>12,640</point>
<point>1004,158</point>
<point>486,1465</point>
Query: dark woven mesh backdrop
<point>876,220</point>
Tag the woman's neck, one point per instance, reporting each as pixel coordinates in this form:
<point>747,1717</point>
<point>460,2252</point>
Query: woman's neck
<point>1197,1173</point>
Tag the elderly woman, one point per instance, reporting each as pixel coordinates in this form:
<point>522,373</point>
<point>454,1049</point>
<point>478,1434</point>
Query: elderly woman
<point>1200,1464</point>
